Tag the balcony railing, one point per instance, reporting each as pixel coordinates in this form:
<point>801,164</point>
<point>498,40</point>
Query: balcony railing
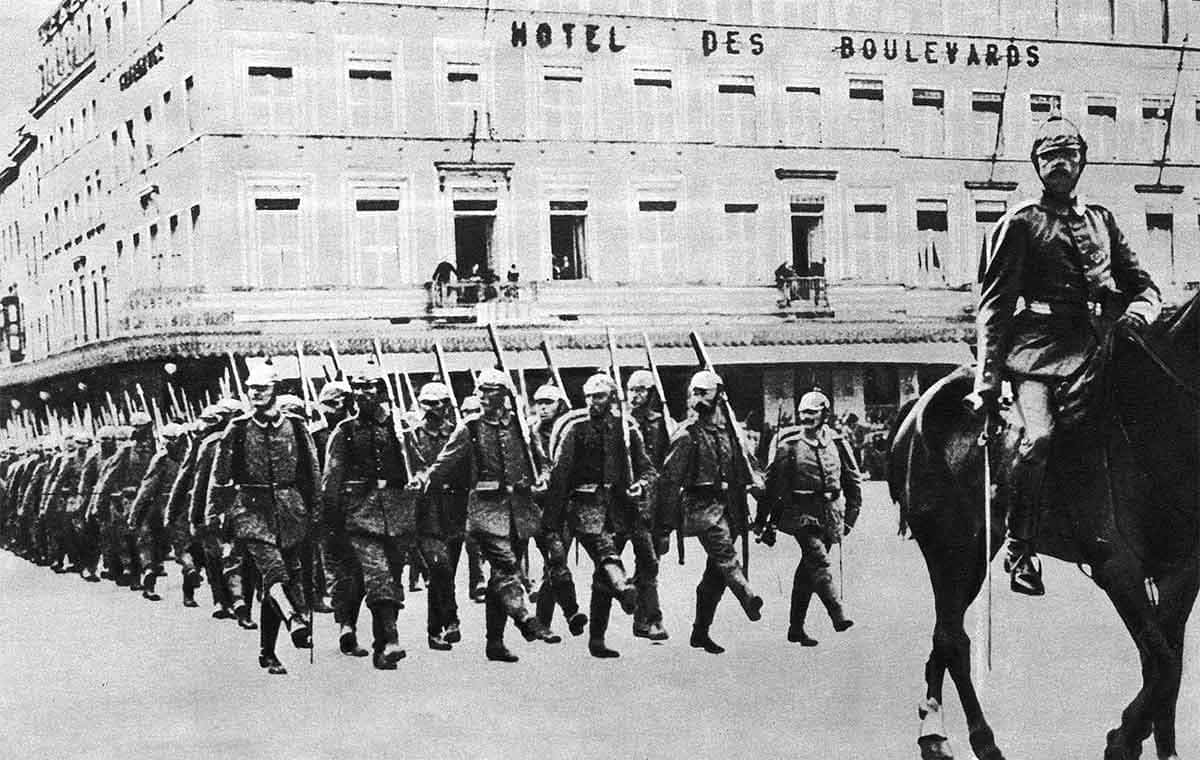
<point>803,293</point>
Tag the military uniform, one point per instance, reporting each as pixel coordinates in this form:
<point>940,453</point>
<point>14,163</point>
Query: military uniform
<point>501,512</point>
<point>265,488</point>
<point>230,580</point>
<point>88,527</point>
<point>117,488</point>
<point>147,515</point>
<point>702,492</point>
<point>813,493</point>
<point>187,548</point>
<point>588,484</point>
<point>63,506</point>
<point>365,483</point>
<point>647,620</point>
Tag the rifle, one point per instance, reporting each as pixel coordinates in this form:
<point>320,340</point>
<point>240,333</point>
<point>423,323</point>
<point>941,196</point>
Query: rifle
<point>668,420</point>
<point>526,443</point>
<point>408,387</point>
<point>237,378</point>
<point>738,435</point>
<point>397,409</point>
<point>338,374</point>
<point>307,389</point>
<point>623,419</point>
<point>548,353</point>
<point>112,408</point>
<point>151,409</point>
<point>444,376</point>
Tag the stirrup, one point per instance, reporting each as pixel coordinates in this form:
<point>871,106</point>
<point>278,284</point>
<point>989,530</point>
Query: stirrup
<point>1027,576</point>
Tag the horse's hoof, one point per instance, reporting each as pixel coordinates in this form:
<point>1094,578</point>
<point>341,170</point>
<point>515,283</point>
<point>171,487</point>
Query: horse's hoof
<point>1115,748</point>
<point>935,747</point>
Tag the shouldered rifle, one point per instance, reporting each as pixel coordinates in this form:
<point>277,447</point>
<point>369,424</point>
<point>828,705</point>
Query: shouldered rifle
<point>526,443</point>
<point>444,376</point>
<point>738,436</point>
<point>338,374</point>
<point>397,409</point>
<point>151,409</point>
<point>668,420</point>
<point>622,419</point>
<point>111,407</point>
<point>236,382</point>
<point>309,391</point>
<point>408,387</point>
<point>548,353</point>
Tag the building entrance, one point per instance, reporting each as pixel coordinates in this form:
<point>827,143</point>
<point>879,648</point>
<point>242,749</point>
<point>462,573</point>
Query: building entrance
<point>808,256</point>
<point>473,245</point>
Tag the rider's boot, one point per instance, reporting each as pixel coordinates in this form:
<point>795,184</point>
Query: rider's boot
<point>1020,560</point>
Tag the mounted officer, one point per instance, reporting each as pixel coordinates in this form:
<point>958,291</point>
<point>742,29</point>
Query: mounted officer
<point>1069,262</point>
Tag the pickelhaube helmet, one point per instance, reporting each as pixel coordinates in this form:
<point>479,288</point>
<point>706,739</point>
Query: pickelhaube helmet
<point>493,378</point>
<point>172,431</point>
<point>706,380</point>
<point>231,406</point>
<point>640,379</point>
<point>599,383</point>
<point>107,433</point>
<point>290,403</point>
<point>261,375</point>
<point>333,393</point>
<point>212,414</point>
<point>813,401</point>
<point>434,392</point>
<point>140,419</point>
<point>470,405</point>
<point>549,392</point>
<point>1056,133</point>
<point>368,375</point>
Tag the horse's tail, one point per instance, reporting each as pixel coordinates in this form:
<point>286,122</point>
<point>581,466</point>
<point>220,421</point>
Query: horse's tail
<point>898,442</point>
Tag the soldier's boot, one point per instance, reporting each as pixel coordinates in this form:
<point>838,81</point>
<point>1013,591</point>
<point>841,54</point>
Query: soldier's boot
<point>297,624</point>
<point>1021,561</point>
<point>751,602</point>
<point>387,651</point>
<point>798,613</point>
<point>648,622</point>
<point>706,610</point>
<point>562,591</point>
<point>348,642</point>
<point>619,584</point>
<point>828,596</point>
<point>544,604</point>
<point>149,581</point>
<point>267,637</point>
<point>477,584</point>
<point>600,608</point>
<point>191,582</point>
<point>495,619</point>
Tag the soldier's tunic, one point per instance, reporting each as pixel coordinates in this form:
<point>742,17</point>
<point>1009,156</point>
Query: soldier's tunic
<point>554,542</point>
<point>224,560</point>
<point>656,440</point>
<point>813,489</point>
<point>702,493</point>
<point>117,488</point>
<point>365,481</point>
<point>147,515</point>
<point>264,484</point>
<point>63,507</point>
<point>442,522</point>
<point>87,522</point>
<point>189,552</point>
<point>46,522</point>
<point>501,512</point>
<point>343,576</point>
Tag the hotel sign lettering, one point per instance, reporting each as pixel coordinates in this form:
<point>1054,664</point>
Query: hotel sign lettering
<point>965,52</point>
<point>138,68</point>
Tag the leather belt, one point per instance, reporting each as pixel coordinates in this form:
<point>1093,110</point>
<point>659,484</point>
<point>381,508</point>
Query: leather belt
<point>1065,308</point>
<point>262,486</point>
<point>379,483</point>
<point>707,488</point>
<point>833,495</point>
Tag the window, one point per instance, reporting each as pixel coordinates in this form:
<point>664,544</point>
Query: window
<point>736,113</point>
<point>987,213</point>
<point>271,98</point>
<point>928,136</point>
<point>869,255</point>
<point>865,125</point>
<point>1100,126</point>
<point>803,113</point>
<point>986,110</point>
<point>379,254</point>
<point>1156,115</point>
<point>654,111</point>
<point>464,111</point>
<point>568,239</point>
<point>656,248</point>
<point>1159,256</point>
<point>278,256</point>
<point>562,102</point>
<point>1041,106</point>
<point>370,94</point>
<point>933,241</point>
<point>737,262</point>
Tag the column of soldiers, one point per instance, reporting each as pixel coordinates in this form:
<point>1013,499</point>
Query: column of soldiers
<point>267,496</point>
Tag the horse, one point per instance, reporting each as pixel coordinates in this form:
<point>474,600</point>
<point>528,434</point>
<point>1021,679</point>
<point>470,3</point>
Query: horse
<point>1126,505</point>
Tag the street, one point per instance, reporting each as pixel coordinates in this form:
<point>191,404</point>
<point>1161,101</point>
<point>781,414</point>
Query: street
<point>93,671</point>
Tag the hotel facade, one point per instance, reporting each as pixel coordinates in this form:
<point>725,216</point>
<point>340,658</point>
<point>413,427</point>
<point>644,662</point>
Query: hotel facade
<point>205,176</point>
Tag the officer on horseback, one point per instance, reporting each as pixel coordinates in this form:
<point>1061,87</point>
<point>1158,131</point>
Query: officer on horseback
<point>1068,262</point>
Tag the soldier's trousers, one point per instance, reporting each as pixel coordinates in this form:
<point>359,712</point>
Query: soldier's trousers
<point>190,555</point>
<point>87,548</point>
<point>381,560</point>
<point>119,549</point>
<point>558,585</point>
<point>608,578</point>
<point>238,571</point>
<point>214,570</point>
<point>148,540</point>
<point>277,566</point>
<point>441,560</point>
<point>645,575</point>
<point>344,578</point>
<point>474,563</point>
<point>505,592</point>
<point>813,576</point>
<point>721,570</point>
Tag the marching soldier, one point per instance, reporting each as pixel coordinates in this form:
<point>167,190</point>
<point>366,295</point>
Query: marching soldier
<point>1067,261</point>
<point>148,512</point>
<point>590,489</point>
<point>442,516</point>
<point>813,493</point>
<point>229,578</point>
<point>647,620</point>
<point>554,541</point>
<point>188,550</point>
<point>117,487</point>
<point>366,484</point>
<point>469,409</point>
<point>88,528</point>
<point>31,499</point>
<point>699,490</point>
<point>63,497</point>
<point>265,486</point>
<point>501,512</point>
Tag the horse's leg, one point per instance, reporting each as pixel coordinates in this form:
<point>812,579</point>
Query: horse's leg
<point>1122,578</point>
<point>933,740</point>
<point>1176,593</point>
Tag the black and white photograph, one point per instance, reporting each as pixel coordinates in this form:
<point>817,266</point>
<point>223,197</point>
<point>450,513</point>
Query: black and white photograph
<point>597,379</point>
